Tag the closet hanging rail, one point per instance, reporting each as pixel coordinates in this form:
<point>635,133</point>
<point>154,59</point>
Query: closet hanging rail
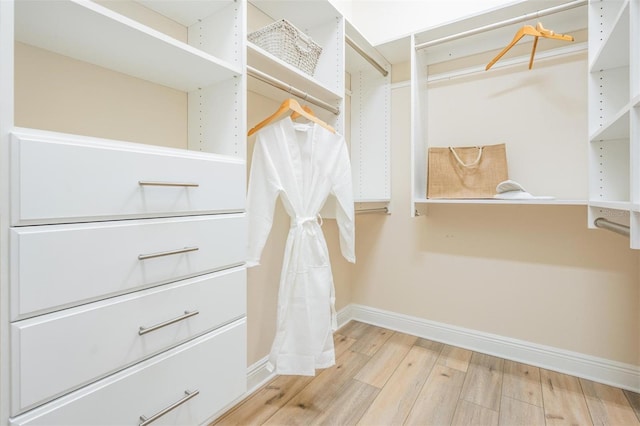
<point>376,210</point>
<point>366,56</point>
<point>611,226</point>
<point>516,20</point>
<point>290,89</point>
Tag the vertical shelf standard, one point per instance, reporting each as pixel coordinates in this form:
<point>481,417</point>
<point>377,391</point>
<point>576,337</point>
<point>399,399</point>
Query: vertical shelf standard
<point>614,166</point>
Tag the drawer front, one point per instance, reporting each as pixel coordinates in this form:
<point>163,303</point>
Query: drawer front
<point>73,180</point>
<point>214,365</point>
<point>55,353</point>
<point>64,265</point>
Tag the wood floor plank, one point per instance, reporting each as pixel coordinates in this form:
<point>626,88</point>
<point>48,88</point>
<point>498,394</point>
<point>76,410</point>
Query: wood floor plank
<point>354,399</point>
<point>320,393</point>
<point>393,403</point>
<point>355,329</point>
<point>264,403</point>
<point>342,343</point>
<point>430,384</point>
<point>437,401</point>
<point>469,414</point>
<point>386,359</point>
<point>564,402</point>
<point>514,412</point>
<point>454,357</point>
<point>429,344</point>
<point>372,340</point>
<point>522,382</point>
<point>608,405</point>
<point>483,384</point>
<point>634,400</point>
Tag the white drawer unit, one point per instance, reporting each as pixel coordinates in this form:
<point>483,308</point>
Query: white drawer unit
<point>62,265</point>
<point>196,379</point>
<point>122,211</point>
<point>73,347</point>
<point>57,178</point>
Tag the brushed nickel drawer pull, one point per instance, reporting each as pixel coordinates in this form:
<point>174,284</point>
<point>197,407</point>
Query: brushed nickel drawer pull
<point>187,314</point>
<point>167,253</point>
<point>156,183</point>
<point>144,421</point>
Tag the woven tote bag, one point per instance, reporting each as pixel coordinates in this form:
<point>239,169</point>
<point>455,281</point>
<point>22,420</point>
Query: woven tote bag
<point>466,172</point>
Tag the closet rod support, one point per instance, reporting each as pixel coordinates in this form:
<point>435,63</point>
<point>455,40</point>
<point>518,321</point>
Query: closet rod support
<point>366,56</point>
<point>611,226</point>
<point>517,19</point>
<point>266,78</point>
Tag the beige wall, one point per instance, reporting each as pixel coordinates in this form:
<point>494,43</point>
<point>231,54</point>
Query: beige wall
<point>534,273</point>
<point>57,93</point>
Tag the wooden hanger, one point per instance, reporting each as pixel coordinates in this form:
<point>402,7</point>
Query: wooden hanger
<point>290,105</point>
<point>537,32</point>
<point>295,114</point>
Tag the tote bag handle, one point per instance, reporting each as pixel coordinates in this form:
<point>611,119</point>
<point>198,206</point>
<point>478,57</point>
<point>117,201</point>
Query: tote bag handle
<point>462,163</point>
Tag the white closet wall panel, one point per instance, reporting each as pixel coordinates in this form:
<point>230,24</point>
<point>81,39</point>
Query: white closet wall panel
<point>214,121</point>
<point>82,262</point>
<point>218,34</point>
<point>370,147</point>
<point>109,332</point>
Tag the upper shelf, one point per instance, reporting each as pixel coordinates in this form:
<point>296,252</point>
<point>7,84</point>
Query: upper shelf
<point>92,33</point>
<point>616,128</point>
<point>305,17</point>
<point>185,12</point>
<point>277,68</point>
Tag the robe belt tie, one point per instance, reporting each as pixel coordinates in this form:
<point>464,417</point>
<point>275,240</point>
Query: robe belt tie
<point>301,221</point>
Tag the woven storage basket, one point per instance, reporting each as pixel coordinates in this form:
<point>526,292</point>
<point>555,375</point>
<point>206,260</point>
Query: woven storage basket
<point>288,43</point>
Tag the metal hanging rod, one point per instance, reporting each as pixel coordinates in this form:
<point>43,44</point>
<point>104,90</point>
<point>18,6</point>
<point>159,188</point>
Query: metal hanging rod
<point>376,210</point>
<point>611,226</point>
<point>290,89</point>
<point>517,19</point>
<point>366,56</point>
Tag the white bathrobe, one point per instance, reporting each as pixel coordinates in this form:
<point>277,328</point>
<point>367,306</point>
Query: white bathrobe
<point>303,164</point>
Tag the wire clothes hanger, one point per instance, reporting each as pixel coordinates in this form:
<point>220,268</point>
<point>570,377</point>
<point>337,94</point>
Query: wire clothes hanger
<point>290,105</point>
<point>537,32</point>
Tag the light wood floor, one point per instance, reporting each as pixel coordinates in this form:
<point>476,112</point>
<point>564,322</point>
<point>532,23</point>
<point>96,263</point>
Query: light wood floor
<point>382,377</point>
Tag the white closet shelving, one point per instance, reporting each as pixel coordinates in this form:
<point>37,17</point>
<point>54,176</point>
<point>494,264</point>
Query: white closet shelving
<point>369,76</point>
<point>449,81</point>
<point>339,65</point>
<point>324,24</point>
<point>99,234</point>
<point>614,105</point>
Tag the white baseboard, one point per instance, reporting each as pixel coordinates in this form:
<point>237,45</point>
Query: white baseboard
<point>625,376</point>
<point>258,374</point>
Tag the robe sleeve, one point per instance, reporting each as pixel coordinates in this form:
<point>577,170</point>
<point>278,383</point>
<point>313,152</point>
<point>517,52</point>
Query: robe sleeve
<point>262,193</point>
<point>342,189</point>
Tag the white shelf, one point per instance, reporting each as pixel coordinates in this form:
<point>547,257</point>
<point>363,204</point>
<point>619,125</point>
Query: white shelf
<point>304,15</point>
<point>616,128</point>
<point>614,51</point>
<point>277,68</point>
<point>372,200</point>
<point>91,33</point>
<point>553,202</point>
<point>186,12</point>
<point>613,205</point>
